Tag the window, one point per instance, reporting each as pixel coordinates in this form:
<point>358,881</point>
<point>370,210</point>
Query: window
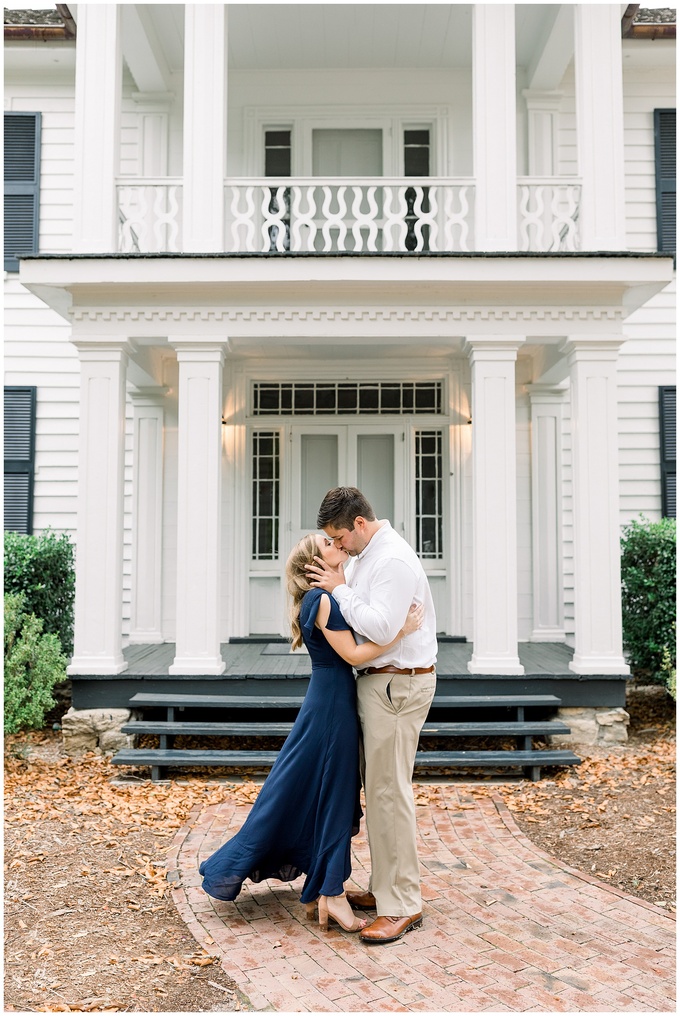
<point>22,185</point>
<point>266,474</point>
<point>19,458</point>
<point>429,494</point>
<point>277,163</point>
<point>664,150</point>
<point>667,434</point>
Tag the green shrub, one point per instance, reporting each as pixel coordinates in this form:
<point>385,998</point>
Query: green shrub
<point>41,567</point>
<point>648,595</point>
<point>34,663</point>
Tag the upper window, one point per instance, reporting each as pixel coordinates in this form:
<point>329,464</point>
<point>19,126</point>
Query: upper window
<point>22,185</point>
<point>664,149</point>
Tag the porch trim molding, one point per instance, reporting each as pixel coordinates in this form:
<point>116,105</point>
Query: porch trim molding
<point>494,505</point>
<point>199,501</point>
<point>598,647</point>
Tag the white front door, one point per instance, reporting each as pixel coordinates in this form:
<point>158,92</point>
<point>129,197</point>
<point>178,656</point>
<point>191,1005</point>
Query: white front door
<point>368,456</point>
<point>399,467</point>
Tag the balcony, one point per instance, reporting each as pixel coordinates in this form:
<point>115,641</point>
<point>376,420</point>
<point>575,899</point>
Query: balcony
<point>342,215</point>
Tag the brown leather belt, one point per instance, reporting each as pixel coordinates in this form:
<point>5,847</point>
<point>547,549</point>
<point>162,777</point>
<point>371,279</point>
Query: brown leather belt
<point>395,670</point>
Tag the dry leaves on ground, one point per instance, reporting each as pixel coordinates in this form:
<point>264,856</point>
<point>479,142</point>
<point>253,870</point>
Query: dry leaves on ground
<point>90,924</point>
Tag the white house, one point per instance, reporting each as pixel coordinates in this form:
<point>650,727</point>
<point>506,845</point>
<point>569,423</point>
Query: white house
<point>424,249</point>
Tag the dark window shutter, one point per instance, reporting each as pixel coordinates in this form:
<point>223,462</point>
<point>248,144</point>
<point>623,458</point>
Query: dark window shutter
<point>22,186</point>
<point>20,403</point>
<point>667,433</point>
<point>664,149</point>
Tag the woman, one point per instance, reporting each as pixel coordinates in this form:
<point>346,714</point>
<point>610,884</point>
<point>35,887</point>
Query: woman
<point>308,808</point>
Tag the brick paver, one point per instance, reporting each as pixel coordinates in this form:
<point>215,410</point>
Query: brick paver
<point>506,928</point>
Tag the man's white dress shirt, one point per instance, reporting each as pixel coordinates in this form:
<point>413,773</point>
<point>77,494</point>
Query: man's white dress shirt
<point>381,583</point>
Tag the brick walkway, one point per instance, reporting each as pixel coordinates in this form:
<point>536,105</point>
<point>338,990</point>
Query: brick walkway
<point>506,929</point>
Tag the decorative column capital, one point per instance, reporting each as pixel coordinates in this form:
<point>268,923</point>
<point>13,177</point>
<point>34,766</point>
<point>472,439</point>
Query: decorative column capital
<point>592,347</point>
<point>492,347</point>
<point>199,350</point>
<point>537,98</point>
<point>103,349</point>
<point>153,395</point>
<point>547,393</point>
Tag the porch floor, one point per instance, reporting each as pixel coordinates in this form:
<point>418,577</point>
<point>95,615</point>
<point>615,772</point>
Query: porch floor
<point>275,659</point>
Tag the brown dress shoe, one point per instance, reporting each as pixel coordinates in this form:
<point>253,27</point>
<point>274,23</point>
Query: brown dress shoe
<point>389,929</point>
<point>361,901</point>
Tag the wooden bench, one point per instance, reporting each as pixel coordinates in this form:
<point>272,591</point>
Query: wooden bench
<point>526,757</point>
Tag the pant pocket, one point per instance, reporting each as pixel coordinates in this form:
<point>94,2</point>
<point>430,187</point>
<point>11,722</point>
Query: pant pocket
<point>398,691</point>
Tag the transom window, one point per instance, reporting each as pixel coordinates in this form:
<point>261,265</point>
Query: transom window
<point>346,398</point>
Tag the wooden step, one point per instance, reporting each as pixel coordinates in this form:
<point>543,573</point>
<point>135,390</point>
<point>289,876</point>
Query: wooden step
<point>257,729</point>
<point>192,728</point>
<point>147,699</point>
<point>162,758</point>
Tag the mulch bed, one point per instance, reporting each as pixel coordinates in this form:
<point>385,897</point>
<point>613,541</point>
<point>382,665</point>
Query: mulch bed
<point>90,925</point>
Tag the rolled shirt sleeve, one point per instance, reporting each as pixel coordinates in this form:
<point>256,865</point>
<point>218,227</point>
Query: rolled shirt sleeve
<point>393,588</point>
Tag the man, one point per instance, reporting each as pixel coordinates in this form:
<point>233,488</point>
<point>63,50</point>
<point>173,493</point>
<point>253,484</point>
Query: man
<point>394,696</point>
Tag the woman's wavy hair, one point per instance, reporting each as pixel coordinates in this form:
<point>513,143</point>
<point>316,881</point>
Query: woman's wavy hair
<point>297,581</point>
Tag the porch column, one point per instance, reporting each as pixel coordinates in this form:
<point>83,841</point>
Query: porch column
<point>205,126</point>
<point>599,125</point>
<point>597,567</point>
<point>494,126</point>
<point>547,410</point>
<point>201,366</point>
<point>99,553</point>
<point>147,514</point>
<point>99,65</point>
<point>494,505</point>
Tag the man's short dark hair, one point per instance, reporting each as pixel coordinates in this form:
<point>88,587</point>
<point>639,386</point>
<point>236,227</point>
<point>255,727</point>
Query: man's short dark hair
<point>341,506</point>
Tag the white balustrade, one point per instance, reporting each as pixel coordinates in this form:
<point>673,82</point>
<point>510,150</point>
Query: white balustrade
<point>548,214</point>
<point>149,215</point>
<point>341,214</point>
<point>326,215</point>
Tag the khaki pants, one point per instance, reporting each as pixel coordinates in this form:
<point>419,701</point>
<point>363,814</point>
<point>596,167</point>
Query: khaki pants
<point>392,710</point>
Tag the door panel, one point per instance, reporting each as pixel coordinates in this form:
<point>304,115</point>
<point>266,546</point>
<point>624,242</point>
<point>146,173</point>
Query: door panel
<point>318,473</point>
<point>349,152</point>
<point>375,471</point>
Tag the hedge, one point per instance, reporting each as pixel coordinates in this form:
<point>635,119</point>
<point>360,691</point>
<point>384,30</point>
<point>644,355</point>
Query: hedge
<point>42,568</point>
<point>648,597</point>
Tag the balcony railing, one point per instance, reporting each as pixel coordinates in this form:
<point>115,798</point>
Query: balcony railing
<point>346,215</point>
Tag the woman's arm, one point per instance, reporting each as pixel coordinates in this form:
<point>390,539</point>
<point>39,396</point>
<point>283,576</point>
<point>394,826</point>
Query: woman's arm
<point>343,641</point>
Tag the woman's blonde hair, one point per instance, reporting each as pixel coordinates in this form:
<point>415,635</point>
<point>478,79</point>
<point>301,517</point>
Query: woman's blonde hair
<point>297,580</point>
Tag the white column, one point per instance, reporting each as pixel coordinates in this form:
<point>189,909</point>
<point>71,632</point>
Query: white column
<point>205,126</point>
<point>99,546</point>
<point>599,125</point>
<point>201,366</point>
<point>494,126</point>
<point>99,64</point>
<point>494,505</point>
<point>547,410</point>
<point>147,515</point>
<point>597,567</point>
<point>542,128</point>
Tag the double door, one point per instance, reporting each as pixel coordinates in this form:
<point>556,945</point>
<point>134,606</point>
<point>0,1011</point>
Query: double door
<point>370,457</point>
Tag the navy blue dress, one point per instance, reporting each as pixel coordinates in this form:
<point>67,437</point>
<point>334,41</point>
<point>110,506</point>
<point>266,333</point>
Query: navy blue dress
<point>308,809</point>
